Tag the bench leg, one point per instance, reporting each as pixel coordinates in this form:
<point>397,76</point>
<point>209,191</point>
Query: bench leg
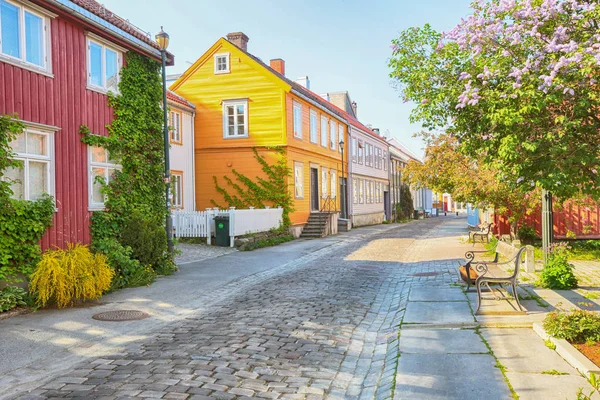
<point>516,295</point>
<point>478,285</point>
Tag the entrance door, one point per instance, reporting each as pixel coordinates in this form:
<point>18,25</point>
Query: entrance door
<point>314,189</point>
<point>386,205</point>
<point>343,194</point>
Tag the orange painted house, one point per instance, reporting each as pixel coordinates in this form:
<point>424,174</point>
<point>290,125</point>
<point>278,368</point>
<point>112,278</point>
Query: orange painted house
<point>241,104</point>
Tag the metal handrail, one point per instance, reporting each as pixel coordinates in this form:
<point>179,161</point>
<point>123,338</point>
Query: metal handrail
<point>329,204</point>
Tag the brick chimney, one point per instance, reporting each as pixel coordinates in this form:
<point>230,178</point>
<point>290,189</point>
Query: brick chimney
<point>239,39</point>
<point>278,65</point>
<point>354,109</point>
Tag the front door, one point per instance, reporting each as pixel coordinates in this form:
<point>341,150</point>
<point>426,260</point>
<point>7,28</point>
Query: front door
<point>314,189</point>
<point>386,205</point>
<point>343,198</point>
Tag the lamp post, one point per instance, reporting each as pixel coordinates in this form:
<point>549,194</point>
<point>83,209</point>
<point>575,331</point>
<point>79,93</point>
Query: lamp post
<point>344,183</point>
<point>162,39</point>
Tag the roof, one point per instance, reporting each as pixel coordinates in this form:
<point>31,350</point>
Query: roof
<point>102,12</point>
<point>296,86</point>
<point>175,98</point>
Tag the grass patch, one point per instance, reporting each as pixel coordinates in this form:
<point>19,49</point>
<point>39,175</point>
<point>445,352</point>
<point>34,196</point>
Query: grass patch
<point>554,372</point>
<point>592,295</point>
<point>268,242</point>
<point>535,297</point>
<point>550,344</point>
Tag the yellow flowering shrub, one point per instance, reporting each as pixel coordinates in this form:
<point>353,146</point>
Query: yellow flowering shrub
<point>63,276</point>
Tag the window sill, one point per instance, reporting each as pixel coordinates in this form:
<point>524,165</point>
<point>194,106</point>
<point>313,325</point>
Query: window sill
<point>235,137</point>
<point>24,65</point>
<point>92,209</point>
<point>222,72</point>
<point>180,143</point>
<point>100,90</point>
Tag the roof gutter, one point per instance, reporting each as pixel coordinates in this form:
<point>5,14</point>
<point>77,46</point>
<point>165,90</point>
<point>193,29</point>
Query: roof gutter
<point>91,18</point>
<point>319,106</point>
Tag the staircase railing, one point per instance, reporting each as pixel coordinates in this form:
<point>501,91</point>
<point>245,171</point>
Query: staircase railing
<point>328,204</point>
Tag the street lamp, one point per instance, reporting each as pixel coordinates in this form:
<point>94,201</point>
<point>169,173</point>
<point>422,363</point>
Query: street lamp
<point>344,183</point>
<point>162,39</point>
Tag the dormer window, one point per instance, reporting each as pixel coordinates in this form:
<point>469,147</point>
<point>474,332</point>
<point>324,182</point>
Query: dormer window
<point>222,63</point>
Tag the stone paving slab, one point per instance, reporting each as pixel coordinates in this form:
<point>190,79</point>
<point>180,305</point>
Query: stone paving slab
<point>441,341</point>
<point>548,387</point>
<point>451,376</point>
<point>437,294</point>
<point>420,312</point>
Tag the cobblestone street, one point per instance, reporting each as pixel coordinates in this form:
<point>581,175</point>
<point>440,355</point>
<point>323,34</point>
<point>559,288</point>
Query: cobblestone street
<point>324,326</point>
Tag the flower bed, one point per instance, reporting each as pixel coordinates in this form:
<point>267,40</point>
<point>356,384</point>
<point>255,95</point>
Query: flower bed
<point>591,351</point>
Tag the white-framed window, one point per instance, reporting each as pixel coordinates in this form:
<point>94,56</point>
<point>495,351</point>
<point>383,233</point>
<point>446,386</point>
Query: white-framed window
<point>324,183</point>
<point>385,161</point>
<point>297,120</point>
<point>340,136</point>
<point>35,149</point>
<point>222,63</point>
<point>354,150</point>
<point>379,158</point>
<point>369,155</point>
<point>24,35</point>
<point>102,170</point>
<point>361,191</point>
<point>361,151</point>
<point>377,192</point>
<point>104,62</point>
<point>332,133</point>
<point>314,126</point>
<point>324,132</point>
<point>176,189</point>
<point>175,126</point>
<point>355,191</point>
<point>298,180</point>
<point>372,192</point>
<point>235,119</point>
<point>333,176</point>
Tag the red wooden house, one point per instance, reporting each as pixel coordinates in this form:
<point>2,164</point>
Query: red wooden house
<point>58,61</point>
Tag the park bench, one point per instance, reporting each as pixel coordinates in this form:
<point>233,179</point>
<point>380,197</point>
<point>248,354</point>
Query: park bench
<point>482,231</point>
<point>480,272</point>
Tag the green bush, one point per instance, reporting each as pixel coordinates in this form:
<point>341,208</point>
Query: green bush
<point>527,234</point>
<point>577,327</point>
<point>558,273</point>
<point>148,242</point>
<point>129,272</point>
<point>272,241</point>
<point>11,297</point>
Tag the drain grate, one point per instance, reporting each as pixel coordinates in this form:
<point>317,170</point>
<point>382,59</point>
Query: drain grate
<point>120,315</point>
<point>426,274</point>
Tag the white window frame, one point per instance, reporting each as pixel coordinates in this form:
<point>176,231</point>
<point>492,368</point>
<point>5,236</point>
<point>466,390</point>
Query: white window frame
<point>175,129</point>
<point>354,150</point>
<point>314,129</point>
<point>297,111</point>
<point>324,183</point>
<point>49,159</point>
<point>361,192</point>
<point>234,104</point>
<point>227,61</point>
<point>385,160</point>
<point>91,38</point>
<point>332,134</point>
<point>298,180</point>
<point>93,206</point>
<point>355,191</point>
<point>333,183</point>
<point>46,67</point>
<point>340,136</point>
<point>324,132</point>
<point>173,194</point>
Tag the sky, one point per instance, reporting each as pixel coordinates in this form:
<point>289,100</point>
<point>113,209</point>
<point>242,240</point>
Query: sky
<point>341,45</point>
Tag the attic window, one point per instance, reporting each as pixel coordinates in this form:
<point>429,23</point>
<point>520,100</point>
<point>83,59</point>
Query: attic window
<point>222,63</point>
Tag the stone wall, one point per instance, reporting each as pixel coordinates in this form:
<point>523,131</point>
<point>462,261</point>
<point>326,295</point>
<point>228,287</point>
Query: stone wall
<point>367,219</point>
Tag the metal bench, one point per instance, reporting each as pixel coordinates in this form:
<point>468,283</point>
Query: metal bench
<point>487,277</point>
<point>483,233</point>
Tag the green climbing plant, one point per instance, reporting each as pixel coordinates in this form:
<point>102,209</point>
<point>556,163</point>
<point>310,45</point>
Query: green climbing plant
<point>135,141</point>
<point>270,191</point>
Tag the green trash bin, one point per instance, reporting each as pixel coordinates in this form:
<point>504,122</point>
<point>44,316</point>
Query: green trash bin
<point>222,230</point>
<point>416,214</point>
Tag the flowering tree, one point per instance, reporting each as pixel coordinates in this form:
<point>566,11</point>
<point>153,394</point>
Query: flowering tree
<point>447,170</point>
<point>516,84</point>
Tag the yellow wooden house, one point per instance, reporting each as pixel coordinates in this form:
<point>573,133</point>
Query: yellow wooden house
<point>243,103</point>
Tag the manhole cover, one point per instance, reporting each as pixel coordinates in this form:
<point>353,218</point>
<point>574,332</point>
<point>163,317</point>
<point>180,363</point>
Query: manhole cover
<point>426,274</point>
<point>120,315</point>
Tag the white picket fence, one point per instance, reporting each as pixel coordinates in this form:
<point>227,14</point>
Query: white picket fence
<point>241,222</point>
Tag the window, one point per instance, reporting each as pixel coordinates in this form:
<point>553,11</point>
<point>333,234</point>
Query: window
<point>361,196</point>
<point>235,119</point>
<point>367,150</point>
<point>24,35</point>
<point>340,136</point>
<point>332,132</point>
<point>333,184</point>
<point>314,135</point>
<point>297,120</point>
<point>323,182</point>
<point>177,189</point>
<point>298,180</point>
<point>355,191</point>
<point>323,131</point>
<point>102,171</point>
<point>354,150</point>
<point>222,63</point>
<point>385,161</point>
<point>361,152</point>
<point>175,126</point>
<point>370,155</point>
<point>104,65</point>
<point>377,158</point>
<point>372,191</point>
<point>35,177</point>
<point>378,192</point>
